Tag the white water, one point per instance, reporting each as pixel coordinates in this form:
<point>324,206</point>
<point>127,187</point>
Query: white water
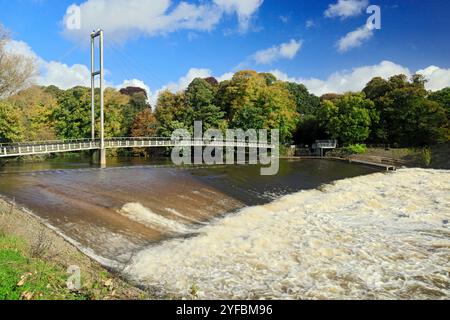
<point>137,212</point>
<point>380,236</point>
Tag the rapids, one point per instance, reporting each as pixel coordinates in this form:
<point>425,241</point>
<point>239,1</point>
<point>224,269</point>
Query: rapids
<point>383,236</point>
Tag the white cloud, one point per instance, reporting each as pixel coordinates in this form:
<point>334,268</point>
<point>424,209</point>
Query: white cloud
<point>64,76</point>
<point>357,78</point>
<point>343,81</point>
<point>438,78</point>
<point>183,82</point>
<point>346,8</point>
<point>309,24</point>
<point>20,48</point>
<point>226,76</point>
<point>355,38</point>
<point>52,72</point>
<point>122,19</point>
<point>284,51</point>
<point>245,9</point>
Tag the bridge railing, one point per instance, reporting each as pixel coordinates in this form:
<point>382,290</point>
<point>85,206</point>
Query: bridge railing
<point>332,144</point>
<point>43,147</point>
<point>48,147</point>
<point>47,142</point>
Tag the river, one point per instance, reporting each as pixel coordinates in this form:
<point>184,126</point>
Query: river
<point>319,229</point>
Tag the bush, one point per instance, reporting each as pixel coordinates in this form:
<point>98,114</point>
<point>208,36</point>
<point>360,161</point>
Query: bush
<point>426,157</point>
<point>356,149</point>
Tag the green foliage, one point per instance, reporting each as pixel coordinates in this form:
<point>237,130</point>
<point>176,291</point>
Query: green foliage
<point>11,128</point>
<point>251,103</point>
<point>426,156</point>
<point>349,118</point>
<point>270,78</point>
<point>173,112</point>
<point>307,104</point>
<point>407,116</point>
<point>36,106</point>
<point>309,129</point>
<point>356,148</point>
<point>396,111</point>
<point>73,114</point>
<point>443,98</point>
<point>200,96</point>
<point>137,103</point>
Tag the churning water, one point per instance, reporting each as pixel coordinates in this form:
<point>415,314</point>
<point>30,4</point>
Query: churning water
<point>230,233</point>
<point>382,236</point>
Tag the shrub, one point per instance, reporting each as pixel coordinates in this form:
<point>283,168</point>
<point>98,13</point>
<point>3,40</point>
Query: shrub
<point>356,148</point>
<point>426,157</point>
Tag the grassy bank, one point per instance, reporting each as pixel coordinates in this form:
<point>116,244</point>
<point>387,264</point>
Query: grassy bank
<point>34,261</point>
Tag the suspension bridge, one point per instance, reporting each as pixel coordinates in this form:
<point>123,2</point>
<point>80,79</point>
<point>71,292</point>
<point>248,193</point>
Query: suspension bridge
<point>101,143</point>
<point>48,147</point>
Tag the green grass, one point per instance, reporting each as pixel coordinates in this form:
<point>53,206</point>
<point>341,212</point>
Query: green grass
<point>23,277</point>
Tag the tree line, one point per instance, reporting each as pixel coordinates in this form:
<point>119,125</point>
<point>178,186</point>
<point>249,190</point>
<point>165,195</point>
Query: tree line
<point>398,111</point>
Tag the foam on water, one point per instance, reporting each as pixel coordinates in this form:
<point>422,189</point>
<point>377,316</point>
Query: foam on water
<point>137,212</point>
<point>379,236</point>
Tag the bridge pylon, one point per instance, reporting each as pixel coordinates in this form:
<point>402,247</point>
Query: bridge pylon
<point>94,73</point>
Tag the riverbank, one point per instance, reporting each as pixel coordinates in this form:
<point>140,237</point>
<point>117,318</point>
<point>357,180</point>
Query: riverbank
<point>433,157</point>
<point>34,261</point>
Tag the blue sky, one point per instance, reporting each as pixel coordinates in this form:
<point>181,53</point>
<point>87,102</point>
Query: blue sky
<point>163,43</point>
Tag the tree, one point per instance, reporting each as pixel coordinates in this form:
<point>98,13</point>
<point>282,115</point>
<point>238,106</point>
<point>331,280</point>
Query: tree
<point>307,104</point>
<point>145,124</point>
<point>330,96</point>
<point>130,91</point>
<point>309,129</point>
<point>407,116</point>
<point>73,114</point>
<point>173,112</point>
<point>16,71</point>
<point>117,106</point>
<point>442,97</point>
<point>413,120</point>
<point>11,129</point>
<point>349,118</point>
<point>376,88</point>
<point>240,93</point>
<point>200,96</point>
<point>266,107</point>
<point>136,103</point>
<point>270,78</point>
<point>36,106</point>
<point>212,81</point>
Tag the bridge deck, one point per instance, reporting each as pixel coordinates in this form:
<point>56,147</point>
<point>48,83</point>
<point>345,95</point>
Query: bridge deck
<point>47,147</point>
